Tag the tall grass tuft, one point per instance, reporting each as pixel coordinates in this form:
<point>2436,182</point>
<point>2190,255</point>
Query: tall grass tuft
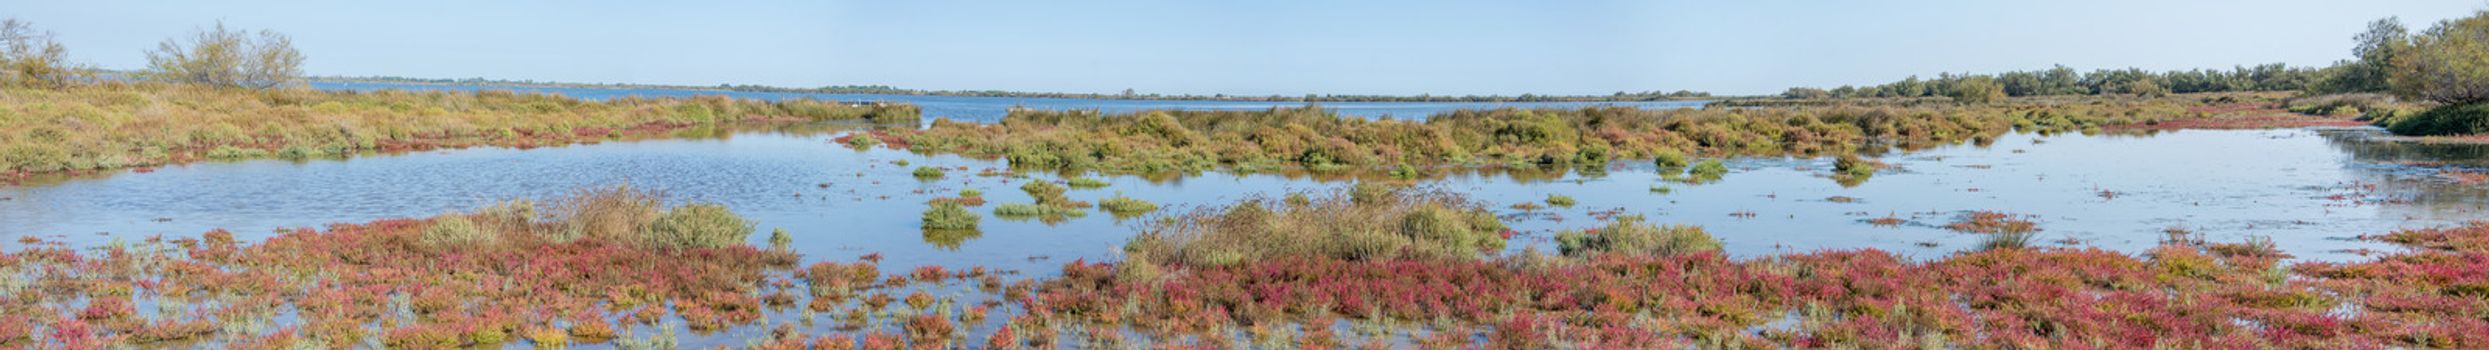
<point>612,213</point>
<point>1630,235</point>
<point>455,230</point>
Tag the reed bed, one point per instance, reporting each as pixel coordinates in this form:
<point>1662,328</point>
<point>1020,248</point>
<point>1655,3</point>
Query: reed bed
<point>116,125</point>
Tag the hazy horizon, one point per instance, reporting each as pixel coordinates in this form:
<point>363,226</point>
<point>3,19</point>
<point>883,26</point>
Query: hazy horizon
<point>1274,48</point>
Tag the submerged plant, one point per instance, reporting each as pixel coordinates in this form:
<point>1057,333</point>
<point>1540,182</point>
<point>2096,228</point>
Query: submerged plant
<point>927,173</point>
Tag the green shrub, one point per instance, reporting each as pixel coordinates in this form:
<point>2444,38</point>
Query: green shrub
<point>698,226</point>
<point>1629,235</point>
<point>949,216</point>
<point>2471,119</point>
<point>928,173</point>
<point>454,230</point>
<point>33,158</point>
<point>1668,158</point>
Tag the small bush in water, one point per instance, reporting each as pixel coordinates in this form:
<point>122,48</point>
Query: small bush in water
<point>949,216</point>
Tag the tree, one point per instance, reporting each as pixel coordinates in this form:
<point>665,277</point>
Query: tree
<point>1976,89</point>
<point>2448,64</point>
<point>228,57</point>
<point>29,58</point>
<point>2373,67</point>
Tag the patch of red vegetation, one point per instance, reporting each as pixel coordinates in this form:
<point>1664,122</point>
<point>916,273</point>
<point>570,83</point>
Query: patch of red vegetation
<point>2176,295</point>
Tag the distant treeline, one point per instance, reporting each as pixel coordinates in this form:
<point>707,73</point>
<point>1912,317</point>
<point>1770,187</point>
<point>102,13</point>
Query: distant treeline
<point>2061,80</point>
<point>1126,94</point>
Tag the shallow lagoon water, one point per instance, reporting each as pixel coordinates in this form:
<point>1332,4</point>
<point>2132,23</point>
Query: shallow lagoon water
<point>2309,190</point>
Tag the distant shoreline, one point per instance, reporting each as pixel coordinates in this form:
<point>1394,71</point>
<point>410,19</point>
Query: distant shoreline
<point>886,90</point>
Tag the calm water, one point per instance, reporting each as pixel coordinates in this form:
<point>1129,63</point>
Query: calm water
<point>991,109</point>
<point>2310,190</point>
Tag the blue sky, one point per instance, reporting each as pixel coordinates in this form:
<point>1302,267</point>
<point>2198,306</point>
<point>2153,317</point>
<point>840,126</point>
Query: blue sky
<point>1246,47</point>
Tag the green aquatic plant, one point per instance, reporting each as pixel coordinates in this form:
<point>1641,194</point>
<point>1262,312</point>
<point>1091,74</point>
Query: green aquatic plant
<point>1560,200</point>
<point>1708,170</point>
<point>1628,234</point>
<point>1025,210</point>
<point>927,173</point>
<point>1853,166</point>
<point>1086,183</point>
<point>1123,206</point>
<point>1668,158</point>
<point>949,216</point>
<point>1044,192</point>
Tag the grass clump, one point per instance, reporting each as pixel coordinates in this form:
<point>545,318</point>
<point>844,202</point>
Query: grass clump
<point>1853,166</point>
<point>451,231</point>
<point>1085,183</point>
<point>1630,235</point>
<point>613,213</point>
<point>698,226</point>
<point>1404,224</point>
<point>949,216</point>
<point>1051,205</point>
<point>1123,206</point>
<point>1560,200</point>
<point>1707,171</point>
<point>927,173</point>
<point>1668,158</point>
